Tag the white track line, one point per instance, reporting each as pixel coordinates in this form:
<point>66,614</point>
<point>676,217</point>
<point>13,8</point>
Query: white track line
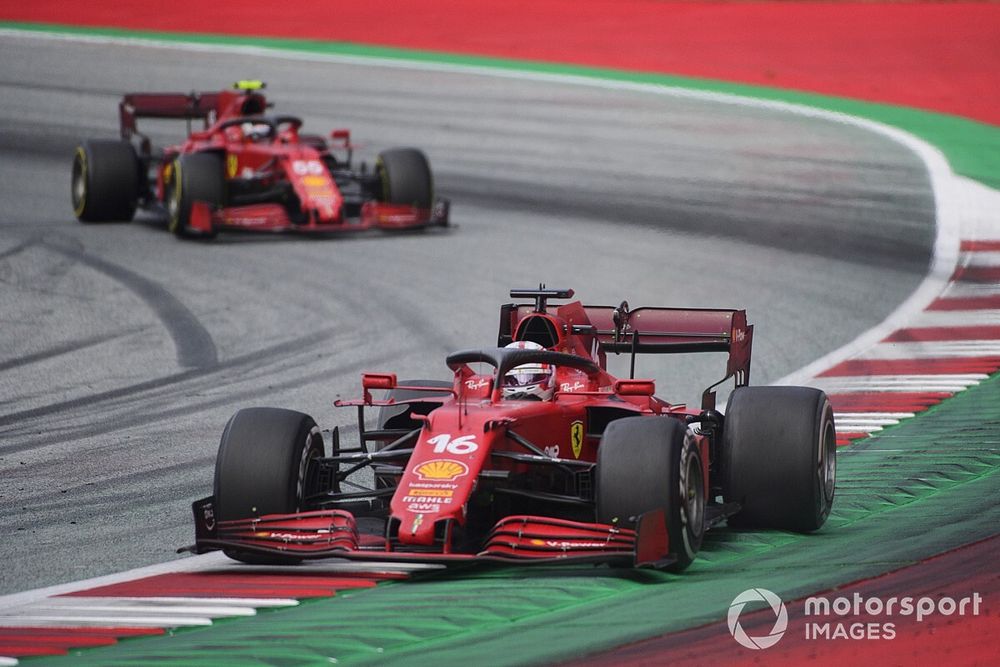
<point>102,621</point>
<point>985,258</point>
<point>957,290</point>
<point>943,378</point>
<point>88,605</point>
<point>933,350</point>
<point>848,416</point>
<point>206,562</point>
<point>907,383</point>
<point>850,424</point>
<point>859,429</point>
<point>956,318</point>
<point>254,603</point>
<point>210,561</point>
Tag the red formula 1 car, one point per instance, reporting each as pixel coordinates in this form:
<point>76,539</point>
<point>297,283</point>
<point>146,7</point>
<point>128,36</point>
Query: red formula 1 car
<point>246,170</point>
<point>544,456</point>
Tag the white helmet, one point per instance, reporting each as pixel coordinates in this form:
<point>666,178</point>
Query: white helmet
<point>529,381</point>
<point>256,131</point>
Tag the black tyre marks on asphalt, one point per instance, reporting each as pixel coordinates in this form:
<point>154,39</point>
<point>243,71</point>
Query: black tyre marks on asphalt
<point>194,344</point>
<point>19,248</point>
<point>66,348</point>
<point>139,392</point>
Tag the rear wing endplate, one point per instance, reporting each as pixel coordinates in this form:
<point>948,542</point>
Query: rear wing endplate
<point>676,330</point>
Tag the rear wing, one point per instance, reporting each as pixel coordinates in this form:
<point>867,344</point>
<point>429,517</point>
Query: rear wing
<point>597,330</point>
<point>676,330</point>
<point>183,106</point>
<point>207,107</point>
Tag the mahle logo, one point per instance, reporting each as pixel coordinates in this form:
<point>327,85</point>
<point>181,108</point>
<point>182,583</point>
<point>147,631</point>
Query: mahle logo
<point>780,618</point>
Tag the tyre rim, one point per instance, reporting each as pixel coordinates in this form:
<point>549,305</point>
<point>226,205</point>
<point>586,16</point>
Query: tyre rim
<point>693,493</point>
<point>383,178</point>
<point>827,469</point>
<point>79,186</point>
<point>173,198</point>
<point>304,482</point>
<point>173,207</point>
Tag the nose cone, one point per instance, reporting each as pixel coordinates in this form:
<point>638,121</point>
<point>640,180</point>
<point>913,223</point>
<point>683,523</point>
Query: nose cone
<point>441,474</point>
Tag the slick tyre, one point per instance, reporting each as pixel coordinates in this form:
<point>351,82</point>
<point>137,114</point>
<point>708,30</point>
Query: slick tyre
<point>779,457</point>
<point>405,177</point>
<point>193,177</point>
<point>648,463</point>
<point>266,465</point>
<point>105,181</point>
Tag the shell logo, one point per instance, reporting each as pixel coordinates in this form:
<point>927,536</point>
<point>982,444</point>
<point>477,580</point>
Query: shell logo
<point>441,470</point>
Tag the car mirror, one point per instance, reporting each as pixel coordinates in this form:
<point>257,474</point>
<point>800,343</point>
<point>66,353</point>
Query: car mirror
<point>378,381</point>
<point>635,387</point>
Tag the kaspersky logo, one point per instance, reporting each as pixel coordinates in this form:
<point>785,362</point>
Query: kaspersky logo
<point>780,618</point>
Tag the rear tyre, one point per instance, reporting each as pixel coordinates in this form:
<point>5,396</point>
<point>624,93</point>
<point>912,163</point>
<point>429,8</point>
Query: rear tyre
<point>105,181</point>
<point>779,457</point>
<point>193,177</point>
<point>266,465</point>
<point>405,177</point>
<point>648,463</point>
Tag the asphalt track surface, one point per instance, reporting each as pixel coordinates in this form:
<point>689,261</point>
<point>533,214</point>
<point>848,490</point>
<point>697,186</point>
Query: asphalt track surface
<point>123,351</point>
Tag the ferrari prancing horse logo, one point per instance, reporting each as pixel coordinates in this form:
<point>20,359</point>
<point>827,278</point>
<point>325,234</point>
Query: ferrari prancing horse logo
<point>232,164</point>
<point>576,437</point>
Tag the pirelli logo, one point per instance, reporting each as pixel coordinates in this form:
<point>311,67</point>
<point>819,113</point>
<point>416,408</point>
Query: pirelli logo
<point>431,493</point>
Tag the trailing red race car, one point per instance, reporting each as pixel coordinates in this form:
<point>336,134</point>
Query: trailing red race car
<point>245,170</point>
<point>544,456</point>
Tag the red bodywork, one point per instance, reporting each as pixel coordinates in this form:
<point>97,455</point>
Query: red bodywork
<point>306,169</point>
<point>468,456</point>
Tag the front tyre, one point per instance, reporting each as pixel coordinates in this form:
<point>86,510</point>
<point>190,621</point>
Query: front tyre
<point>266,465</point>
<point>193,177</point>
<point>779,457</point>
<point>649,463</point>
<point>105,181</point>
<point>405,178</point>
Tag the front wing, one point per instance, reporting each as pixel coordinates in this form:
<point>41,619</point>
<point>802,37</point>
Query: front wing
<point>514,539</point>
<point>274,218</point>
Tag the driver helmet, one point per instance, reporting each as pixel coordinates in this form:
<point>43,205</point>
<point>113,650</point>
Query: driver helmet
<point>529,381</point>
<point>255,131</point>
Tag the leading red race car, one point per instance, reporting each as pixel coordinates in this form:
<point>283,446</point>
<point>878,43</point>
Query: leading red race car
<point>543,457</point>
<point>247,170</point>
